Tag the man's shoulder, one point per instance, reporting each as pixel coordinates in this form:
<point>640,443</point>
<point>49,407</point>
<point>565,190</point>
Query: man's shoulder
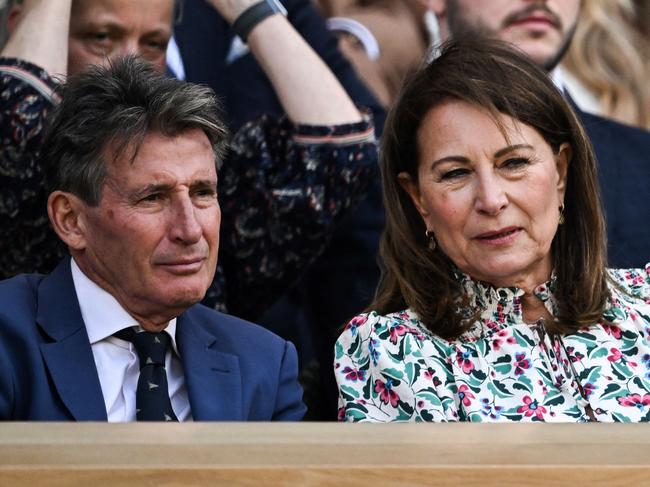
<point>19,302</point>
<point>618,133</point>
<point>623,158</point>
<point>20,288</point>
<point>228,327</point>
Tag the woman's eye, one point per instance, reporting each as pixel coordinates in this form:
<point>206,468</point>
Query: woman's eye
<point>515,162</point>
<point>454,173</point>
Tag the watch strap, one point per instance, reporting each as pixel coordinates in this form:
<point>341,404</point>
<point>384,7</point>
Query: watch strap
<point>253,15</point>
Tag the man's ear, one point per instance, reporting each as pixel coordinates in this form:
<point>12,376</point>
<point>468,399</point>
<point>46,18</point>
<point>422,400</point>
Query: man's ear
<point>562,161</point>
<point>67,214</point>
<point>411,187</point>
<point>14,16</point>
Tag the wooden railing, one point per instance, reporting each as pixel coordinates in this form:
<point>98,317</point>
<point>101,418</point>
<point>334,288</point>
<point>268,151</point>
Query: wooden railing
<point>312,454</point>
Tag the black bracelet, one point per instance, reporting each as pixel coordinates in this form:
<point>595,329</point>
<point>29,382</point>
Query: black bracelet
<point>253,15</point>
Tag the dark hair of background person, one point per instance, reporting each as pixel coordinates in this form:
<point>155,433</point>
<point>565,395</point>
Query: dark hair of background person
<point>107,110</point>
<point>492,75</point>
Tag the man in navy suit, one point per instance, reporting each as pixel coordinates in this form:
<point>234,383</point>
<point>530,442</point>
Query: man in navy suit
<point>131,164</point>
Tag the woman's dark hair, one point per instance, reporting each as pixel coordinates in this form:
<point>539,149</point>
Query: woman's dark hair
<point>494,76</point>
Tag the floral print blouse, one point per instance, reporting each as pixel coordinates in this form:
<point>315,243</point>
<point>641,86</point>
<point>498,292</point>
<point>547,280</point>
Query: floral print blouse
<point>282,188</point>
<point>391,368</point>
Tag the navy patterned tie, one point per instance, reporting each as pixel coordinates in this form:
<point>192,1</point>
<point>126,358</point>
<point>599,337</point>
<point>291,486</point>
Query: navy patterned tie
<point>152,397</point>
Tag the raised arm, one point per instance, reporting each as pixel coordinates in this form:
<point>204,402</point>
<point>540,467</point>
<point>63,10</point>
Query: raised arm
<point>308,90</point>
<point>41,36</point>
<point>282,189</point>
<point>37,49</point>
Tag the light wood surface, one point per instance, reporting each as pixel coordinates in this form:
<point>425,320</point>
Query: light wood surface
<point>314,454</point>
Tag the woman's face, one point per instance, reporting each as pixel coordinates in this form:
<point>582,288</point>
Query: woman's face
<point>491,201</point>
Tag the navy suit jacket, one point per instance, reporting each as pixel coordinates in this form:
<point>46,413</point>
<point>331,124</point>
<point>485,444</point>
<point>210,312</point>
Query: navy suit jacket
<point>623,154</point>
<point>234,370</point>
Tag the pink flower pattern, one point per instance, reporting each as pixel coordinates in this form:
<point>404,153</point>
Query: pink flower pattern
<point>394,368</point>
<point>521,363</point>
<point>396,332</point>
<point>532,408</point>
<point>503,337</point>
<point>614,355</point>
<point>464,360</point>
<point>355,323</point>
<point>354,374</point>
<point>635,400</point>
<point>465,395</point>
<point>613,330</point>
<point>386,394</point>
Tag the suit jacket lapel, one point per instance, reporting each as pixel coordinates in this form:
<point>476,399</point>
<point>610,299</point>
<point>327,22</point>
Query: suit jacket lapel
<point>69,357</point>
<point>213,378</point>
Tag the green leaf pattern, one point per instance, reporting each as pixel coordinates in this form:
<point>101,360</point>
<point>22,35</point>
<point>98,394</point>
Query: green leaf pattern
<point>391,368</point>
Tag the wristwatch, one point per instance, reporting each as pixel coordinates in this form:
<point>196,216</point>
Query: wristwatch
<point>254,14</point>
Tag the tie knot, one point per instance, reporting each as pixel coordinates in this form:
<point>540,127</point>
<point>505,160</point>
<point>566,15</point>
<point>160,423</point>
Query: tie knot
<point>151,347</point>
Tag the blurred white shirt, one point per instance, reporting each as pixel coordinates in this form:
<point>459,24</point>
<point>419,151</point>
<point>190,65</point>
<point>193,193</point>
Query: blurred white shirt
<point>567,83</point>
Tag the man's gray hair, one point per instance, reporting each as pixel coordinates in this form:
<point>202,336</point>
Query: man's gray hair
<point>108,111</point>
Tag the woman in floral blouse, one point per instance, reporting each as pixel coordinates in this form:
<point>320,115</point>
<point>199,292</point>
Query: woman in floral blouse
<point>495,304</point>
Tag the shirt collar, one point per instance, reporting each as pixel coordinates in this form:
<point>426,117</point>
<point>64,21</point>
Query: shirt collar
<point>557,77</point>
<point>101,312</point>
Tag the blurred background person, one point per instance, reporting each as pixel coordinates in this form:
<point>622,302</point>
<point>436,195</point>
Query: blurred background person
<point>286,180</point>
<point>606,70</point>
<point>212,52</point>
<point>384,39</point>
<point>495,303</point>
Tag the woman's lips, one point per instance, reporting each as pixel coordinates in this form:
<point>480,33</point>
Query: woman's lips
<point>499,237</point>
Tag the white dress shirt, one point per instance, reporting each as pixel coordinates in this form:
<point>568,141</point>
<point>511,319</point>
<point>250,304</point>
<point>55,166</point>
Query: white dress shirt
<point>175,63</point>
<point>174,60</point>
<point>567,83</point>
<point>116,360</point>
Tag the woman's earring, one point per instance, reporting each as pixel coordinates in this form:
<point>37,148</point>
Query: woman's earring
<point>561,219</point>
<point>432,240</point>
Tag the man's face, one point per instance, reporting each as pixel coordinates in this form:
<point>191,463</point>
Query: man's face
<point>103,29</point>
<point>543,29</point>
<point>152,241</point>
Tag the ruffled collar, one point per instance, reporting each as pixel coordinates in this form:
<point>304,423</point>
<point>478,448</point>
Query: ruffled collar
<point>500,307</point>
